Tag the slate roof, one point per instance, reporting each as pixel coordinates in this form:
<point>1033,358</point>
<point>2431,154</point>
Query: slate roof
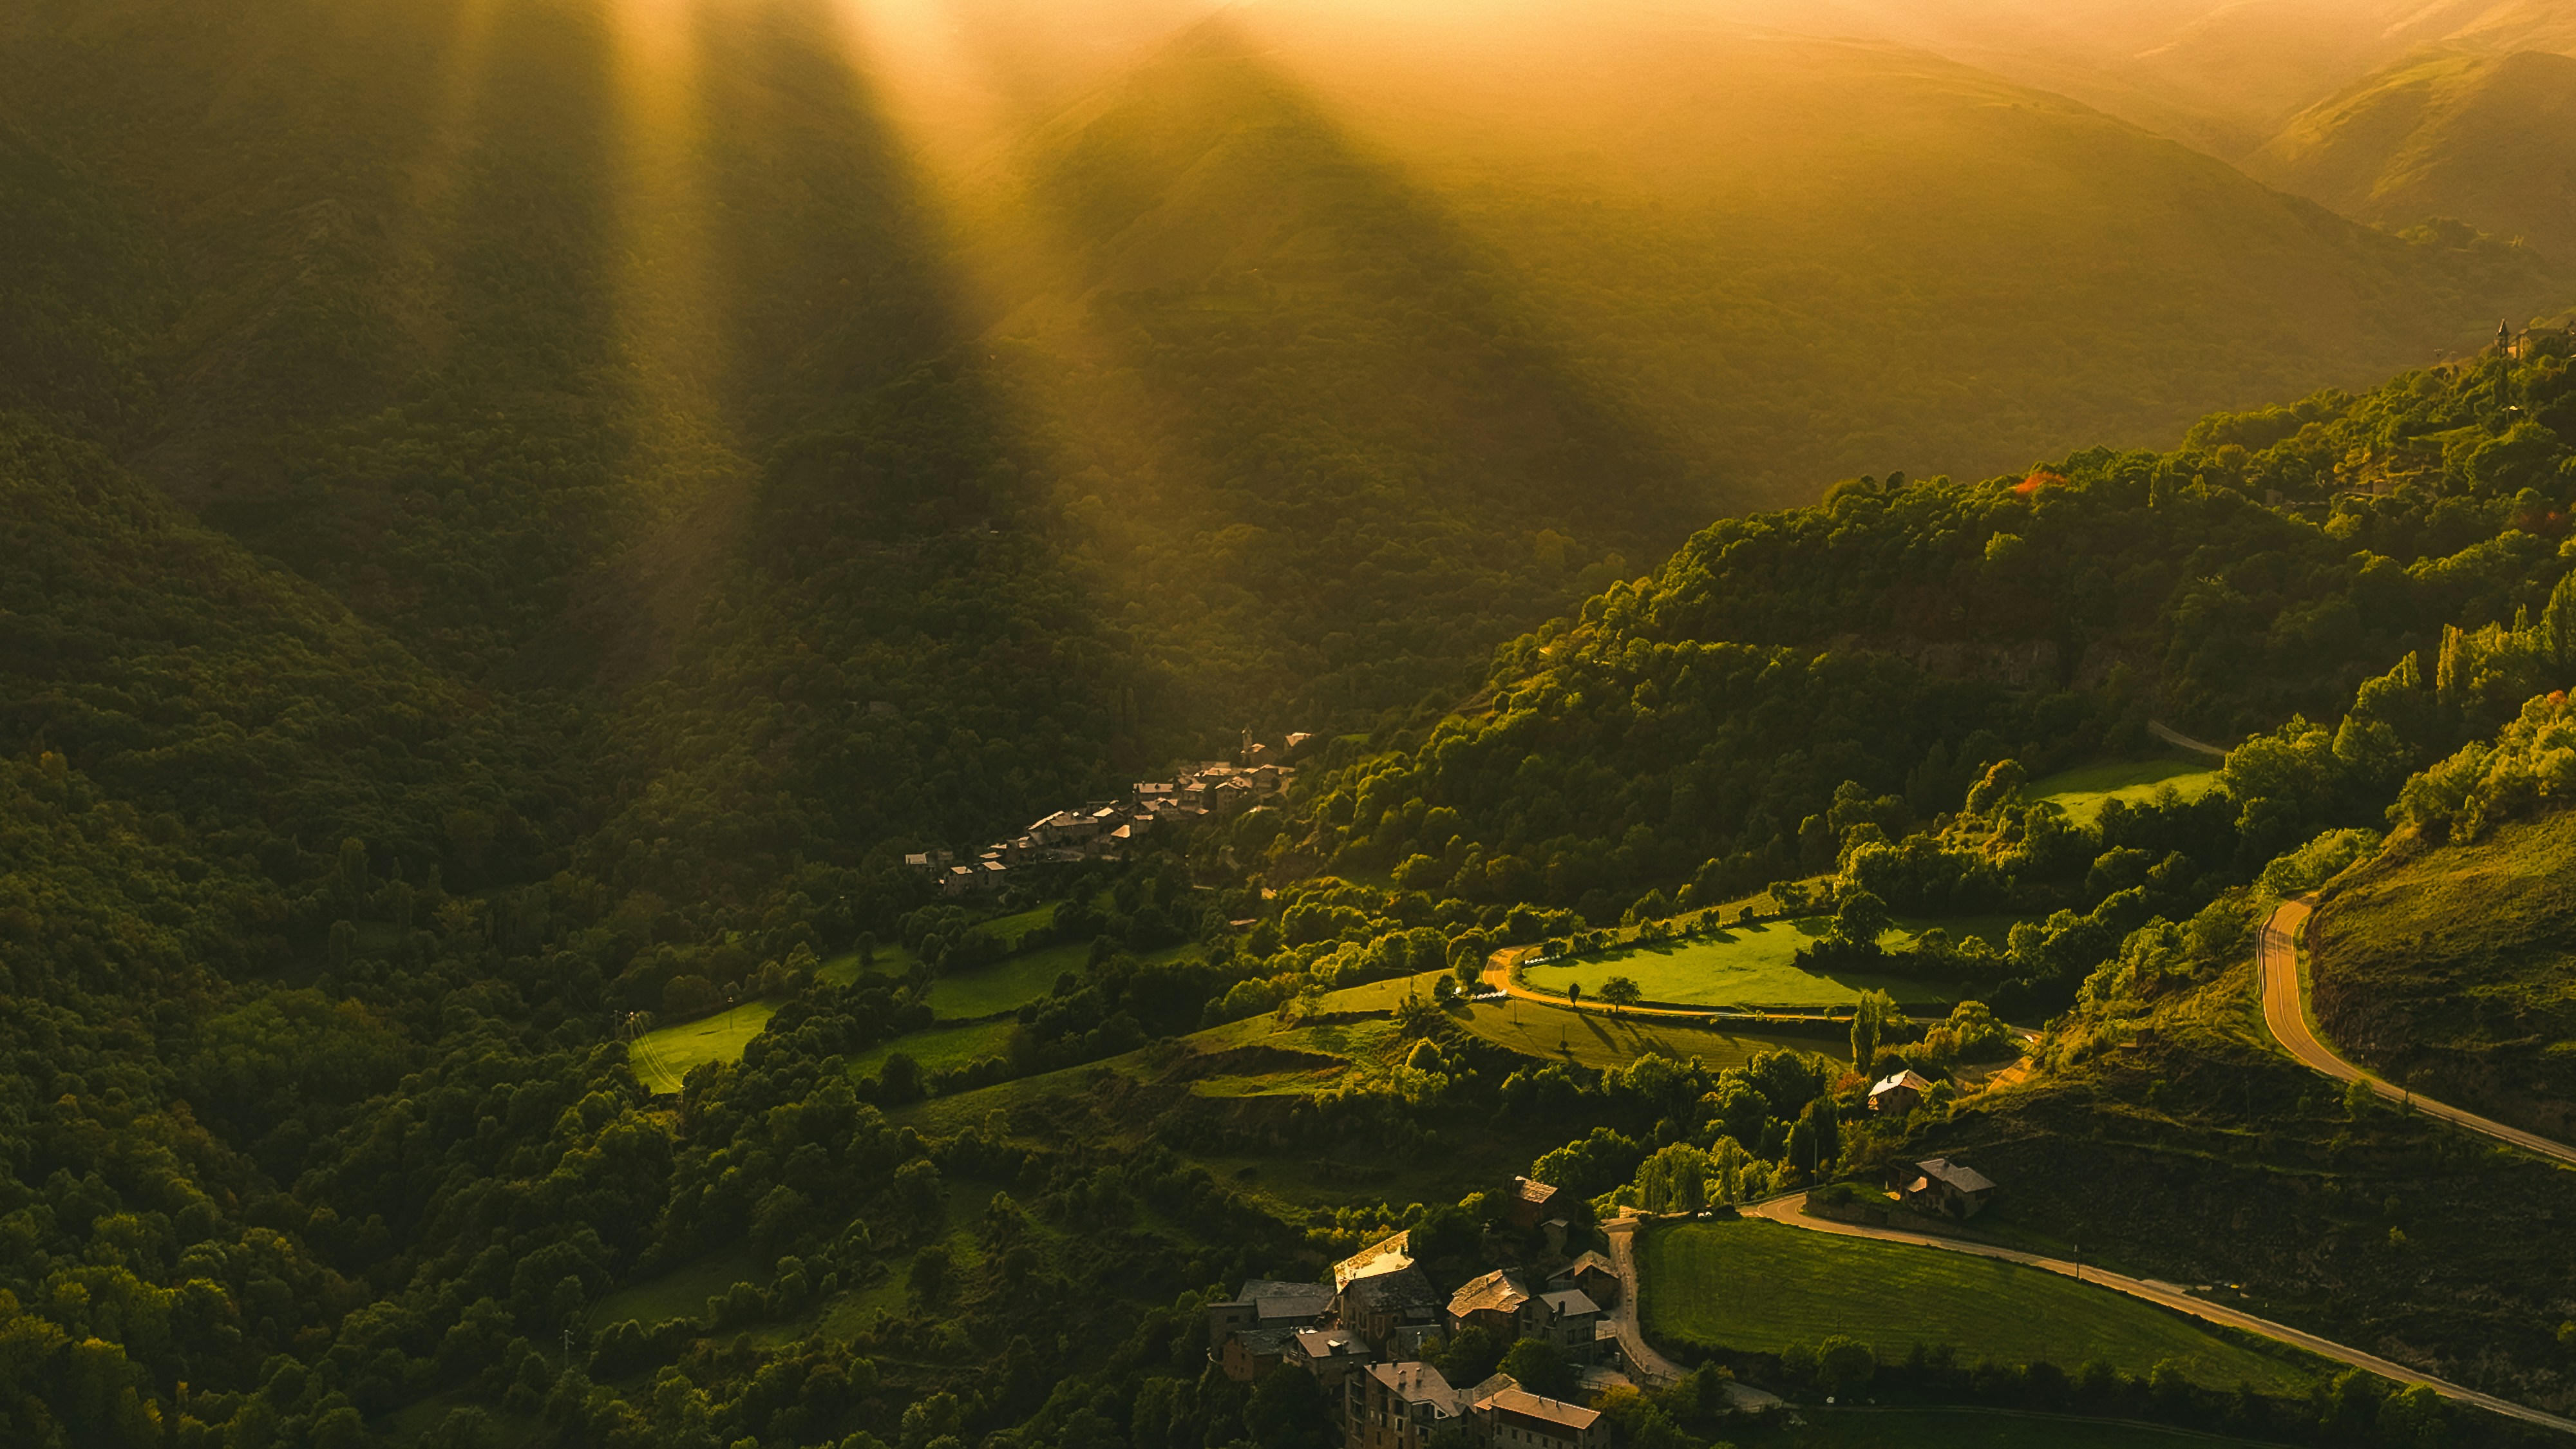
<point>1500,1291</point>
<point>1521,1401</point>
<point>1957,1174</point>
<point>1908,1080</point>
<point>1400,1293</point>
<point>1419,1383</point>
<point>1267,1342</point>
<point>1323,1343</point>
<point>1386,1255</point>
<point>1273,1299</point>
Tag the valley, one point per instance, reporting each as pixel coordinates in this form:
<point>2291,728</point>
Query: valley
<point>1317,724</point>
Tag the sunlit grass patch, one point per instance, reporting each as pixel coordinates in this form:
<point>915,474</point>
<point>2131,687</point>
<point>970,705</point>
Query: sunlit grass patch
<point>1596,1039</point>
<point>1751,966</point>
<point>663,1056</point>
<point>2084,790</point>
<point>938,1047</point>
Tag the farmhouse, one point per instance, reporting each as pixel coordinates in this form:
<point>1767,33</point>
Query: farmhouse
<point>1899,1093</point>
<point>1939,1185</point>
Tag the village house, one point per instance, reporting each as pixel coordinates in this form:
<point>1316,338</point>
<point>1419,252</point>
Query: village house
<point>1399,1406</point>
<point>1380,1295</point>
<point>1569,1319</point>
<point>1248,1353</point>
<point>1333,1356</point>
<point>1899,1093</point>
<point>1938,1185</point>
<point>1269,1303</point>
<point>1529,1201</point>
<point>1499,1302</point>
<point>1592,1273</point>
<point>1514,1418</point>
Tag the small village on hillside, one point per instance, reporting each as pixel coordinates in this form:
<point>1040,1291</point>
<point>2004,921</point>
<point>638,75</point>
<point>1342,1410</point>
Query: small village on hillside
<point>1363,1336</point>
<point>1110,829</point>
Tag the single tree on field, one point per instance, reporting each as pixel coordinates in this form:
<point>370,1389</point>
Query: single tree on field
<point>1619,991</point>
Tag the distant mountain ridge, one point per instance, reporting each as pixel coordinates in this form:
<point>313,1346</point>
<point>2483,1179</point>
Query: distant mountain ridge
<point>2489,139</point>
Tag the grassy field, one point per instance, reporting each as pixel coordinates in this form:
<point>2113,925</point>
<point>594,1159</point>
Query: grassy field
<point>1596,1040</point>
<point>1015,981</point>
<point>1762,1286</point>
<point>2453,970</point>
<point>1007,984</point>
<point>664,1056</point>
<point>1750,966</point>
<point>1962,1429</point>
<point>2082,791</point>
<point>939,1047</point>
<point>681,1293</point>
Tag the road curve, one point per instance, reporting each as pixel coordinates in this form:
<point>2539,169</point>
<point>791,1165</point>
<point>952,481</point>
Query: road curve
<point>1791,1211</point>
<point>2285,1011</point>
<point>1645,1366</point>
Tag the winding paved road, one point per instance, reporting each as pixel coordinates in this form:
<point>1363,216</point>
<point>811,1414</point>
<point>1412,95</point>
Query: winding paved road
<point>2285,1011</point>
<point>1791,1211</point>
<point>1647,1367</point>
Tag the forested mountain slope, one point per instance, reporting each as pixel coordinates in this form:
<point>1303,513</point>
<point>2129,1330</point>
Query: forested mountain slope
<point>1790,258</point>
<point>2486,139</point>
<point>1687,724</point>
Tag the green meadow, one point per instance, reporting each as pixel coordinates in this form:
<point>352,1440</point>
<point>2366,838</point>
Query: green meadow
<point>1752,966</point>
<point>663,1056</point>
<point>1763,1286</point>
<point>2084,790</point>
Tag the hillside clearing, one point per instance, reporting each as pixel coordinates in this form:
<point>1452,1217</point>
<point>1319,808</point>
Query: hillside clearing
<point>663,1056</point>
<point>2084,790</point>
<point>1751,966</point>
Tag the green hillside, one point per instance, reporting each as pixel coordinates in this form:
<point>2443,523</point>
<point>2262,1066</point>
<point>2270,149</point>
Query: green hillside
<point>1791,258</point>
<point>2485,139</point>
<point>2447,969</point>
<point>1788,678</point>
<point>2444,963</point>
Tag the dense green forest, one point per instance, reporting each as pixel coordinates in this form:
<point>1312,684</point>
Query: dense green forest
<point>418,656</point>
